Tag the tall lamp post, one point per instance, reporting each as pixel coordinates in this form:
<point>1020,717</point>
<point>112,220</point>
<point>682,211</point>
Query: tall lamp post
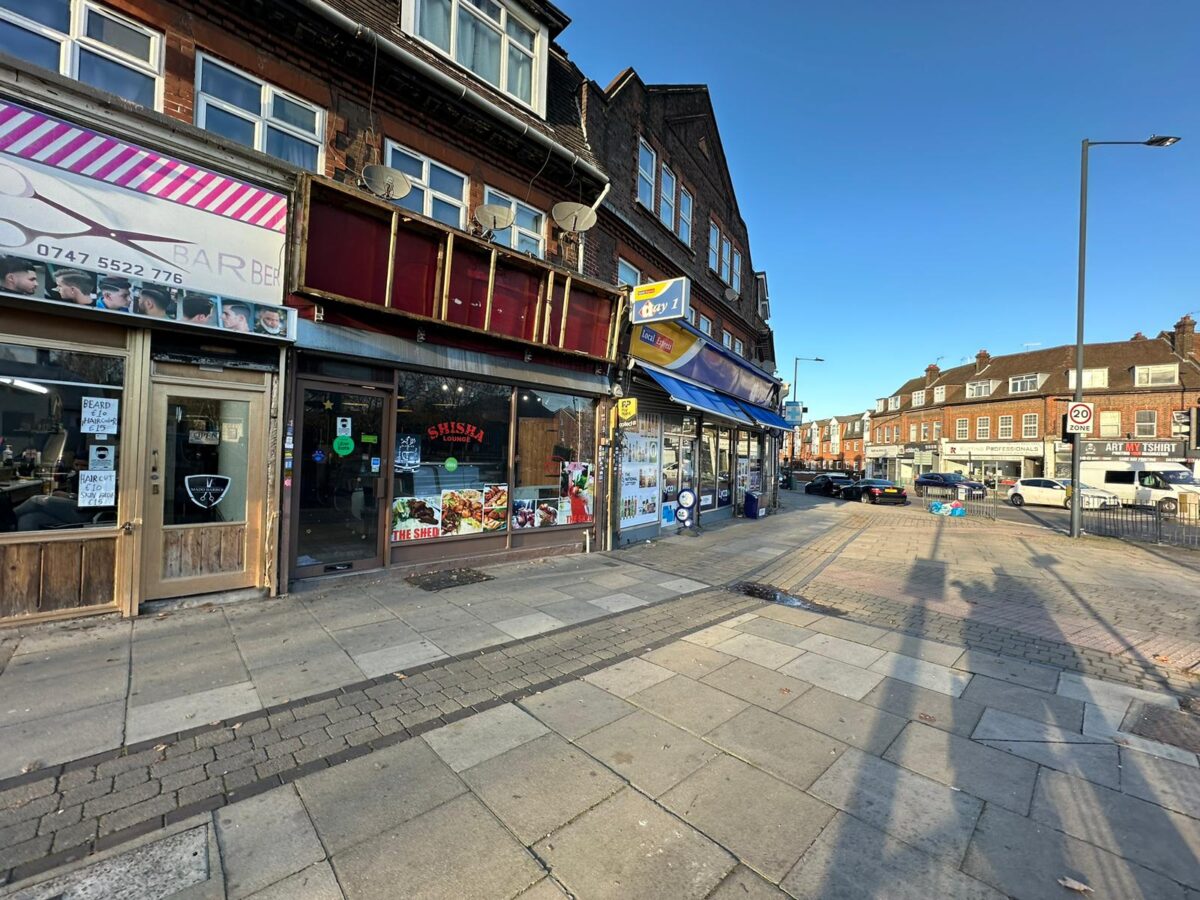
<point>1153,141</point>
<point>795,380</point>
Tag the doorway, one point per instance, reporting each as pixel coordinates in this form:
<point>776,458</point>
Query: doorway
<point>340,498</point>
<point>203,497</point>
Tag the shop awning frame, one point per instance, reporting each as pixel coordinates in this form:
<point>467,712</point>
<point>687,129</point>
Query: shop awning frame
<point>765,417</point>
<point>687,394</point>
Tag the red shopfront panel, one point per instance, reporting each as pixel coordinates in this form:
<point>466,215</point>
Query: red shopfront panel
<point>554,314</point>
<point>514,302</point>
<point>347,253</point>
<point>467,303</point>
<point>414,279</point>
<point>588,319</point>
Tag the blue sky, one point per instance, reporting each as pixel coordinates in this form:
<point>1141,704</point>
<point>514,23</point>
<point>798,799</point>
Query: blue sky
<point>909,172</point>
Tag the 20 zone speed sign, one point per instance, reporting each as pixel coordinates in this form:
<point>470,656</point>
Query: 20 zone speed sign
<point>1079,418</point>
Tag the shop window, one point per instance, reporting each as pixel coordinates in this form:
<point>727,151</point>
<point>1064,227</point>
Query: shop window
<point>438,191</point>
<point>253,112</point>
<point>527,232</point>
<point>514,301</point>
<point>1110,423</point>
<point>1004,429</point>
<point>450,469</point>
<point>1147,423</point>
<point>61,418</point>
<point>589,317</point>
<point>556,460</point>
<point>467,304</point>
<point>87,42</point>
<point>347,250</point>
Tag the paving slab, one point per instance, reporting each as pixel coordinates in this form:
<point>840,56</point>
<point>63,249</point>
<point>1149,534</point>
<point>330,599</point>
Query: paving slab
<point>931,707</point>
<point>689,704</point>
<point>618,602</point>
<point>629,847</point>
<point>958,762</point>
<point>1142,832</point>
<point>529,625</point>
<point>774,630</point>
<point>848,629</point>
<point>365,637</point>
<point>756,684</point>
<point>851,860</point>
<point>765,823</point>
<point>1094,759</point>
<point>571,611</point>
<point>317,882</point>
<point>999,725</point>
<point>1059,711</point>
<point>922,673</point>
<point>841,649</point>
<point>298,678</point>
<point>789,614</point>
<point>22,700</point>
<point>189,710</point>
<point>1006,668</point>
<point>652,754</point>
<point>470,741</point>
<point>576,708</point>
<point>185,671</point>
<point>915,809</point>
<point>495,609</point>
<point>851,721</point>
<point>688,659</point>
<point>455,640</point>
<point>546,889</point>
<point>744,883</point>
<point>919,648</point>
<point>457,851</point>
<point>538,787</point>
<point>789,751</point>
<point>295,638</point>
<point>739,620</point>
<point>771,654</point>
<point>1025,859</point>
<point>683,585</point>
<point>264,840</point>
<point>399,658</point>
<point>711,636</point>
<point>359,799</point>
<point>346,612</point>
<point>839,677</point>
<point>628,677</point>
<point>1105,722</point>
<point>1109,693</point>
<point>1165,782</point>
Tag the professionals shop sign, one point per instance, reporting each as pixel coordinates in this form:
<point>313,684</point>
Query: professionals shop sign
<point>661,300</point>
<point>87,219</point>
<point>1130,450</point>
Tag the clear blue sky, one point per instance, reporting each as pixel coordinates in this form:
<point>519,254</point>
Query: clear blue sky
<point>909,171</point>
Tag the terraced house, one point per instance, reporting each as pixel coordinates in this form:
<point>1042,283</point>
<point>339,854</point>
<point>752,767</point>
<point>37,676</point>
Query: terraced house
<point>839,443</point>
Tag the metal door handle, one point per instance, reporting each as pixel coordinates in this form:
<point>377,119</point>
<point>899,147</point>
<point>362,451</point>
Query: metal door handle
<point>127,528</point>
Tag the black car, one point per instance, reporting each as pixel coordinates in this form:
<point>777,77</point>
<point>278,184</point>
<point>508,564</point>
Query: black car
<point>828,485</point>
<point>875,490</point>
<point>949,484</point>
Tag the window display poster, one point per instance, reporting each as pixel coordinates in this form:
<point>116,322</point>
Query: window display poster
<point>524,513</point>
<point>416,518</point>
<point>640,472</point>
<point>495,507</point>
<point>462,512</point>
<point>98,415</point>
<point>575,492</point>
<point>97,488</point>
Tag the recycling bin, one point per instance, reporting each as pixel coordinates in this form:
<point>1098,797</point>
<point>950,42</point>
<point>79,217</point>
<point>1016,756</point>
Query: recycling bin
<point>750,506</point>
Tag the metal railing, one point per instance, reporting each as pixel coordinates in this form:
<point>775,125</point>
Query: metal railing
<point>1145,523</point>
<point>975,506</point>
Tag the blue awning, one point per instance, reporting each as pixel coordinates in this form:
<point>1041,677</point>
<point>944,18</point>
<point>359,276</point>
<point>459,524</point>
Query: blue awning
<point>765,417</point>
<point>700,398</point>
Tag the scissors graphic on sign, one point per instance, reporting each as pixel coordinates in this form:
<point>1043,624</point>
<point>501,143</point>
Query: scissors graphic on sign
<point>13,183</point>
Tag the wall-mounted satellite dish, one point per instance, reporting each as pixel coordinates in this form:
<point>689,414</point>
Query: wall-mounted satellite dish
<point>494,217</point>
<point>731,295</point>
<point>574,217</point>
<point>386,182</point>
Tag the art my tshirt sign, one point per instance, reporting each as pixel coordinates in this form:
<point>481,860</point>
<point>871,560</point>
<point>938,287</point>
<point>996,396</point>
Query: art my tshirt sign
<point>1132,450</point>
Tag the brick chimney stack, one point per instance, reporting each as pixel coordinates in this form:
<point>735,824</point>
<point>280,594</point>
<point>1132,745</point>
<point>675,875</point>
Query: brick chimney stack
<point>1183,339</point>
<point>982,358</point>
<point>931,373</point>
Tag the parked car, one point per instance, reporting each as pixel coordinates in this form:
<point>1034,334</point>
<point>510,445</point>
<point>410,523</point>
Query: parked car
<point>828,485</point>
<point>875,490</point>
<point>949,484</point>
<point>1054,492</point>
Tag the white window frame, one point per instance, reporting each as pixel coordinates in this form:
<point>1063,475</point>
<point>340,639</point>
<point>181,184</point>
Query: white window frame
<point>879,404</point>
<point>1023,384</point>
<point>1029,425</point>
<point>924,431</point>
<point>76,38</point>
<point>541,40</point>
<point>1106,423</point>
<point>1004,428</point>
<point>644,176</point>
<point>1139,425</point>
<point>726,249</point>
<point>962,429</point>
<point>918,398</point>
<point>684,229</point>
<point>666,205</point>
<point>706,325</point>
<point>735,273</point>
<point>1092,378</point>
<point>1150,373</point>
<point>937,430</point>
<point>738,347</point>
<point>267,93</point>
<point>912,432</point>
<point>424,182</point>
<point>727,339</point>
<point>983,428</point>
<point>939,394</point>
<point>977,389</point>
<point>894,403</point>
<point>637,274</point>
<point>495,195</point>
<point>714,247</point>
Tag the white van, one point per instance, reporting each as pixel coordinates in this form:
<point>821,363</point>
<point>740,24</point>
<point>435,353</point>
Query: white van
<point>1142,483</point>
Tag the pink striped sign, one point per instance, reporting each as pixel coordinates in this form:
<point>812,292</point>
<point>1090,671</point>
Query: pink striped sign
<point>37,137</point>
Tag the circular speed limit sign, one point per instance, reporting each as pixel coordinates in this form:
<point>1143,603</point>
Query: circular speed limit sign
<point>1079,417</point>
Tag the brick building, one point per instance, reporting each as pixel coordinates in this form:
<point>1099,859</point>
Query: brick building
<point>839,443</point>
<point>1002,415</point>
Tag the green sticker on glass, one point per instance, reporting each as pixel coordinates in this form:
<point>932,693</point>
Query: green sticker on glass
<point>343,445</point>
<point>451,464</point>
<point>370,439</point>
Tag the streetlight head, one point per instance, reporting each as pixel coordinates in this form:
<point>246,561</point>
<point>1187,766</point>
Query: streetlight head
<point>818,359</point>
<point>1161,140</point>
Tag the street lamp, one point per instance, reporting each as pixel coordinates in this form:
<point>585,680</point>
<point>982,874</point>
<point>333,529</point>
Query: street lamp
<point>795,380</point>
<point>1155,140</point>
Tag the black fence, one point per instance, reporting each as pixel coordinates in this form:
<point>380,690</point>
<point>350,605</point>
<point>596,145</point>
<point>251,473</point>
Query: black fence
<point>1149,524</point>
<point>945,500</point>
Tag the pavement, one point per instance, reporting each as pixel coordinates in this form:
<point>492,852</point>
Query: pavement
<point>940,708</point>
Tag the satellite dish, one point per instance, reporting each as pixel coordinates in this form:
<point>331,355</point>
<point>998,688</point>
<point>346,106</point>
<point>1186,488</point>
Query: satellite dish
<point>573,216</point>
<point>386,182</point>
<point>731,295</point>
<point>494,217</point>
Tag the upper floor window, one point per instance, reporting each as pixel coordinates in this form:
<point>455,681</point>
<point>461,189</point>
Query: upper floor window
<point>666,198</point>
<point>627,273</point>
<point>1005,427</point>
<point>937,431</point>
<point>684,229</point>
<point>727,339</point>
<point>894,403</point>
<point>738,347</point>
<point>979,389</point>
<point>486,38</point>
<point>939,394</point>
<point>437,191</point>
<point>918,398</point>
<point>1023,384</point>
<point>1092,378</point>
<point>87,42</point>
<point>961,429</point>
<point>735,274</point>
<point>983,428</point>
<point>1149,376</point>
<point>527,233</point>
<point>255,113</point>
<point>714,247</point>
<point>1029,425</point>
<point>1146,423</point>
<point>1110,423</point>
<point>647,163</point>
<point>726,246</point>
<point>706,325</point>
<point>912,432</point>
<point>924,431</point>
<point>879,404</point>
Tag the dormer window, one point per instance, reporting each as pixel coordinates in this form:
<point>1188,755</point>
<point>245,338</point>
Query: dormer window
<point>486,38</point>
<point>894,403</point>
<point>879,405</point>
<point>1151,376</point>
<point>918,398</point>
<point>939,394</point>
<point>977,389</point>
<point>1023,384</point>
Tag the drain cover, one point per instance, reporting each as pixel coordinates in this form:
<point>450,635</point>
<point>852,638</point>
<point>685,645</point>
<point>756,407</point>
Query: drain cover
<point>1167,726</point>
<point>439,581</point>
<point>774,595</point>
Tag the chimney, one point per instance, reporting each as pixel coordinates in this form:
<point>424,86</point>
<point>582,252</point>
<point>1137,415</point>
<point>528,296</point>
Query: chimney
<point>1138,336</point>
<point>931,373</point>
<point>982,358</point>
<point>1183,339</point>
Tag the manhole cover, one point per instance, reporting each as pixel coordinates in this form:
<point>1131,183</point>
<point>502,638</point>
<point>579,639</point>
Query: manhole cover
<point>1167,726</point>
<point>439,581</point>
<point>774,595</point>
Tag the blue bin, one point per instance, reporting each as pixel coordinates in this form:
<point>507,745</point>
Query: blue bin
<point>750,505</point>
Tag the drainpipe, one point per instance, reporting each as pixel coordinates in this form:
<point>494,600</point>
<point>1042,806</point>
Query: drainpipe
<point>410,59</point>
